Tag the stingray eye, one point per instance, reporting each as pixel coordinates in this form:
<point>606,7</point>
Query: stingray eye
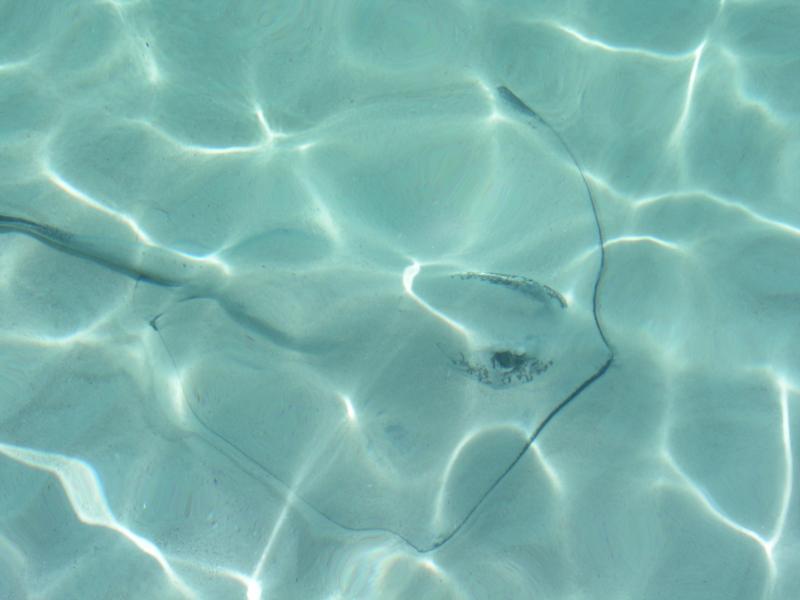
<point>507,359</point>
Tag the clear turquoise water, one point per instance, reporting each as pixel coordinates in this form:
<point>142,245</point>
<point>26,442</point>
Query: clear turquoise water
<point>399,300</point>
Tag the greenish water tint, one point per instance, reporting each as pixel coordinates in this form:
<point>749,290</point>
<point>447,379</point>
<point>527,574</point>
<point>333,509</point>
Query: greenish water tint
<point>399,300</point>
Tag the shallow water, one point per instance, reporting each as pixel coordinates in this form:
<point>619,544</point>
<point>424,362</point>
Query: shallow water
<point>399,300</point>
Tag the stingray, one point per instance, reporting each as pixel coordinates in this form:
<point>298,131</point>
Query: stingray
<point>397,363</point>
